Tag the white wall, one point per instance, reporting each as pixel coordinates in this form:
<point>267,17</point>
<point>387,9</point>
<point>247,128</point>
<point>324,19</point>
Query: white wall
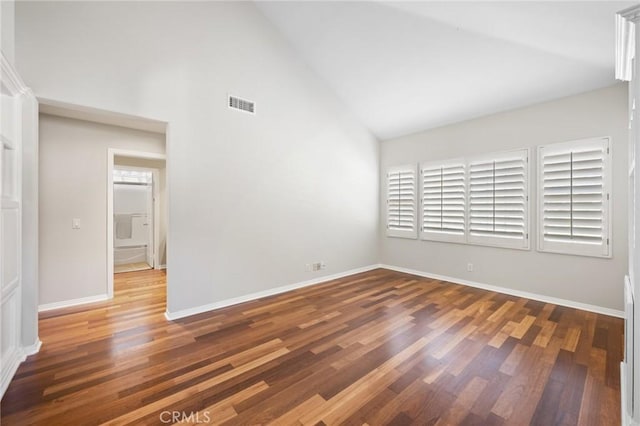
<point>73,184</point>
<point>7,27</point>
<point>252,198</point>
<point>584,279</point>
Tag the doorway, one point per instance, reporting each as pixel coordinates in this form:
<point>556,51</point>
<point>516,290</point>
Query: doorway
<point>135,199</point>
<point>136,212</point>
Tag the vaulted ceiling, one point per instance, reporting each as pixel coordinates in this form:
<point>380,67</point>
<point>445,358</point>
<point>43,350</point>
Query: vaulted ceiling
<point>403,67</point>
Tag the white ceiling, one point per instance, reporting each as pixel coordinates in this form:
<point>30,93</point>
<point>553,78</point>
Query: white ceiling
<point>403,67</point>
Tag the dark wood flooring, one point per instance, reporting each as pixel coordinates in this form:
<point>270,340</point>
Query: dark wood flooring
<point>375,348</point>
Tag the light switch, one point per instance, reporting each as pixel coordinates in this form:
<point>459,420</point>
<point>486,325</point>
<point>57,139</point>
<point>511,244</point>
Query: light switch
<point>75,224</point>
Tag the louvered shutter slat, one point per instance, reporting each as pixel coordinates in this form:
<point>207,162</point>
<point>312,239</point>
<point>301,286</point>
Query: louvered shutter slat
<point>573,197</point>
<point>580,186</point>
<point>498,200</point>
<point>401,202</point>
<point>443,201</point>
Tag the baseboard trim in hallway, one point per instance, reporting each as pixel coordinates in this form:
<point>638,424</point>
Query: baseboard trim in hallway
<point>73,302</point>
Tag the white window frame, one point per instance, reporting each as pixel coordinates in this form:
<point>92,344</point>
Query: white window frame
<point>432,235</point>
<point>498,241</point>
<point>402,233</point>
<point>603,250</point>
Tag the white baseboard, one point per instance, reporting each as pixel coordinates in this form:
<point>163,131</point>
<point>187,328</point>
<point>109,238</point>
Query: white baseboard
<point>161,267</point>
<point>270,292</point>
<point>512,292</point>
<point>32,349</point>
<point>73,302</point>
<point>13,361</point>
<point>528,295</point>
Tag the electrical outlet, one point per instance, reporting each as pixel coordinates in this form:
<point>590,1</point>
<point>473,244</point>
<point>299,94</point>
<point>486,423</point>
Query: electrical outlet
<point>315,266</point>
<point>470,267</point>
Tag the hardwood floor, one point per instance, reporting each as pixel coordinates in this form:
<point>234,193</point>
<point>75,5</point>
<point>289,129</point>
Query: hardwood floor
<point>378,348</point>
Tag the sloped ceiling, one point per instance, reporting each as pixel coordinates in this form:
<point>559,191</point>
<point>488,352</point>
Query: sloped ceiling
<point>404,67</point>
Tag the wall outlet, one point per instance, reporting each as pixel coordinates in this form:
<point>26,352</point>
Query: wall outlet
<point>316,266</point>
<point>75,223</point>
<point>470,267</point>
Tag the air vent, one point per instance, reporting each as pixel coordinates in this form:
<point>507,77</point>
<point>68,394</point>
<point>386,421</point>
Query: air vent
<point>242,104</point>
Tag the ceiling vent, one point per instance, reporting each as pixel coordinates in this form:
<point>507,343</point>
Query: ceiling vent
<point>242,104</point>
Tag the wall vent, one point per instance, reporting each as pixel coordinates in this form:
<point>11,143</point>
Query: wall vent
<point>242,104</point>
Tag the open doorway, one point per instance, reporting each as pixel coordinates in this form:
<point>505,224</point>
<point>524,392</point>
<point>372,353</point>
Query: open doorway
<point>78,146</point>
<point>136,229</point>
<point>136,213</point>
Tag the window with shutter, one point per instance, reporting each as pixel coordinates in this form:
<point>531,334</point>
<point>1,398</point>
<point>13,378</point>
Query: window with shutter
<point>443,201</point>
<point>574,197</point>
<point>401,202</point>
<point>498,199</point>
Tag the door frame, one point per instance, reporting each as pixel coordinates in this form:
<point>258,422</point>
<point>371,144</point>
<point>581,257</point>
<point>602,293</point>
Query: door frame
<point>111,154</point>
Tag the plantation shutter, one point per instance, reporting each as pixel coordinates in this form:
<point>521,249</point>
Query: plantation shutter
<point>498,199</point>
<point>401,202</point>
<point>443,201</point>
<point>574,197</point>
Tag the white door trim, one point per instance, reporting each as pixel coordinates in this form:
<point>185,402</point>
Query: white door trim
<point>111,154</point>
